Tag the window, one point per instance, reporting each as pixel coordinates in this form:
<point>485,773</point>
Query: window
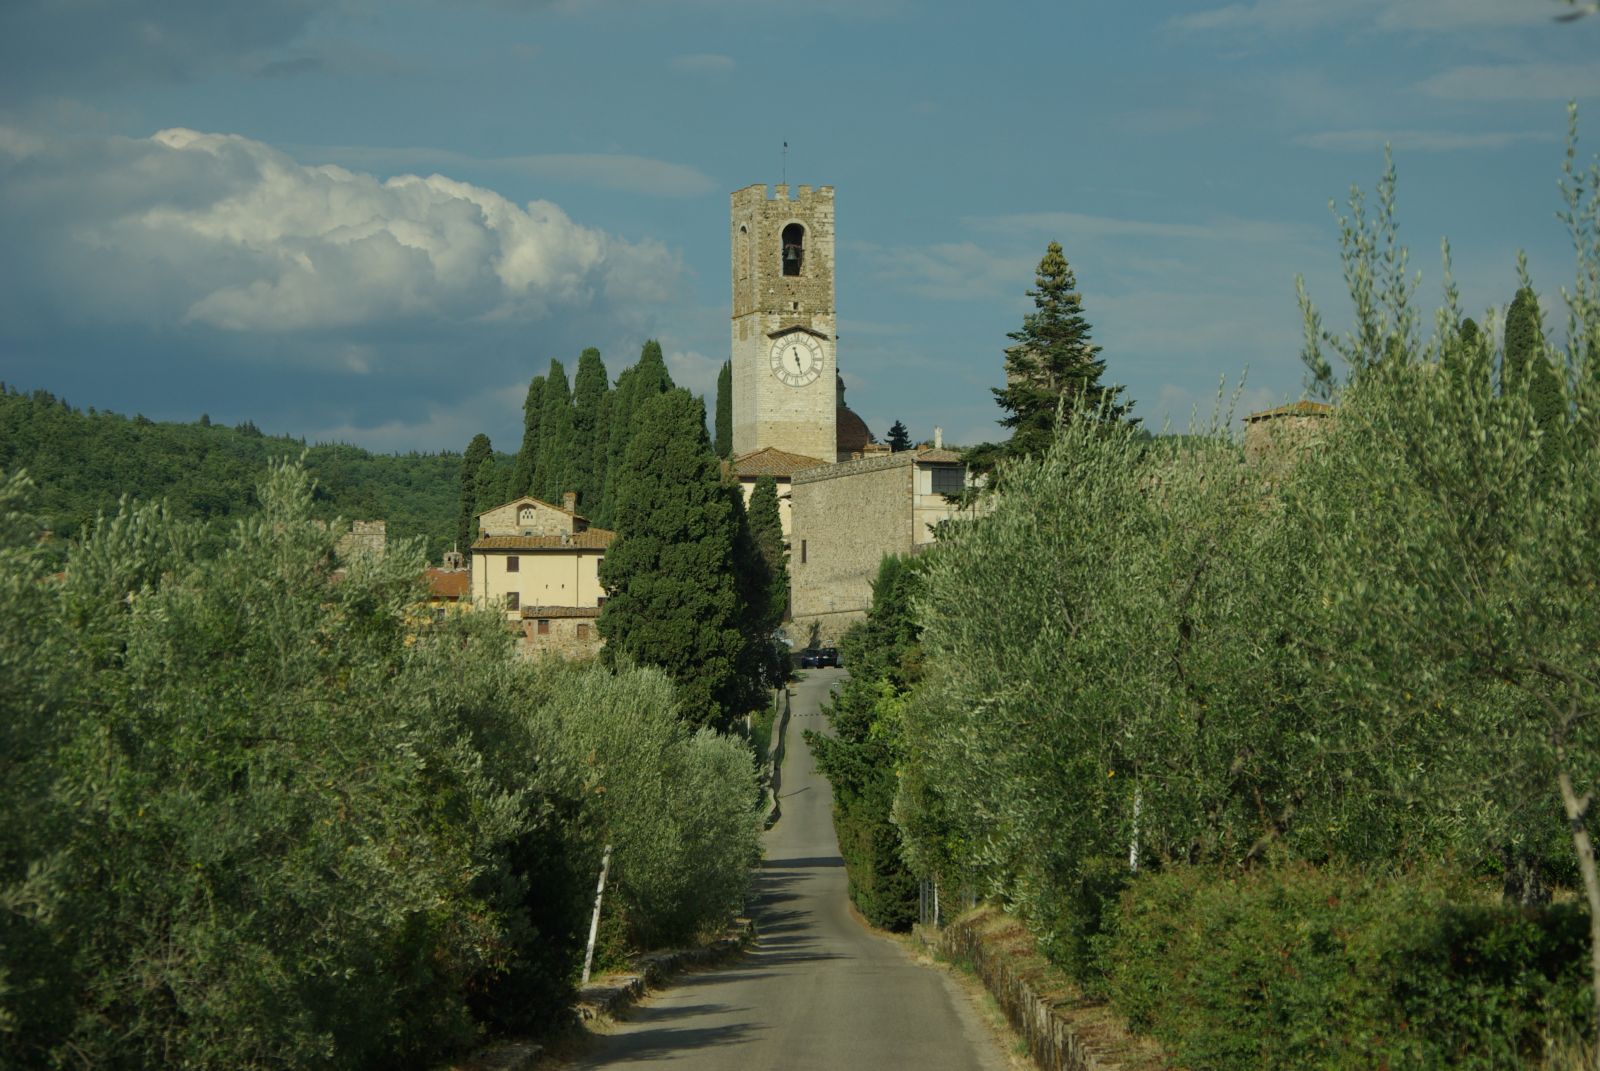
<point>544,626</point>
<point>601,601</point>
<point>438,613</point>
<point>513,600</point>
<point>794,248</point>
<point>947,481</point>
<point>802,552</point>
<point>583,631</point>
<point>513,564</point>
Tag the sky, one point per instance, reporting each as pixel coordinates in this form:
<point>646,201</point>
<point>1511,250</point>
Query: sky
<point>373,221</point>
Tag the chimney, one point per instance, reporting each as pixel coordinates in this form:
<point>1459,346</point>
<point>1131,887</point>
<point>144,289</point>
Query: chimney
<point>569,501</point>
<point>938,437</point>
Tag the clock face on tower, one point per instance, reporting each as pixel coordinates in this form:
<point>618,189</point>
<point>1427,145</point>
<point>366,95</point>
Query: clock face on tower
<point>797,359</point>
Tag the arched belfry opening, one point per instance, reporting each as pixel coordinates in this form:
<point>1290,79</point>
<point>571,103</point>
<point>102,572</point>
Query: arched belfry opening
<point>794,248</point>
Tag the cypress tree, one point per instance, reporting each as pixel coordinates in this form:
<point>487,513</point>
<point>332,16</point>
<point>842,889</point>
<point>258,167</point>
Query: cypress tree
<point>1524,339</point>
<point>635,386</point>
<point>1052,361</point>
<point>724,439</point>
<point>489,486</point>
<point>528,456</point>
<point>599,448</point>
<point>760,664</point>
<point>554,474</point>
<point>477,450</point>
<point>766,530</point>
<point>671,575</point>
<point>899,438</point>
<point>589,387</point>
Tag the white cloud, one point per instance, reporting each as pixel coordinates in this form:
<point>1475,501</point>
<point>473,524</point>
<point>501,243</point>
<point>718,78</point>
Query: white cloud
<point>1294,16</point>
<point>612,171</point>
<point>1515,81</point>
<point>696,373</point>
<point>1078,224</point>
<point>218,230</point>
<point>1417,140</point>
<point>702,63</point>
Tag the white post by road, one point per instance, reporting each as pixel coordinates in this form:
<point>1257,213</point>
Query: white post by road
<point>594,922</point>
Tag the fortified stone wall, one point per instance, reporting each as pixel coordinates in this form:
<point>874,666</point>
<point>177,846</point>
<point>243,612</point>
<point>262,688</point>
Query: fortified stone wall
<point>846,517</point>
<point>563,635</point>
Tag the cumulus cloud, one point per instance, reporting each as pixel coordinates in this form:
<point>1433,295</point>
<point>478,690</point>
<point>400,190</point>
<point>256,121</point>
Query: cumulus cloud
<point>190,228</point>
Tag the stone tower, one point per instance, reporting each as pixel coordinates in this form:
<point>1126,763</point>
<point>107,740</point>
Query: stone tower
<point>785,334</point>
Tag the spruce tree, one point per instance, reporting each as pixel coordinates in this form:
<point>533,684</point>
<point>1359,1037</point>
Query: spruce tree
<point>899,438</point>
<point>589,387</point>
<point>670,576</point>
<point>1052,362</point>
<point>724,438</point>
<point>554,474</point>
<point>528,456</point>
<point>478,449</point>
<point>635,386</point>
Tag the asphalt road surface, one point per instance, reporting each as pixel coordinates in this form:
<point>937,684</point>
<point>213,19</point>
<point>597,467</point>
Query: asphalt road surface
<point>819,991</point>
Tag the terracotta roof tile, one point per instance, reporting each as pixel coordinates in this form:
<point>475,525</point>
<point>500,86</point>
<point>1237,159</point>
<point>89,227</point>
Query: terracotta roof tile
<point>851,432</point>
<point>937,453</point>
<point>770,461</point>
<point>448,583</point>
<point>540,501</point>
<point>588,539</point>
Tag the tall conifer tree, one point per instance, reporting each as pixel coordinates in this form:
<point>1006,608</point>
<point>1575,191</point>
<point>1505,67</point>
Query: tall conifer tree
<point>899,437</point>
<point>635,386</point>
<point>671,575</point>
<point>1052,361</point>
<point>766,529</point>
<point>589,387</point>
<point>724,438</point>
<point>477,450</point>
<point>555,474</point>
<point>528,456</point>
<point>1524,339</point>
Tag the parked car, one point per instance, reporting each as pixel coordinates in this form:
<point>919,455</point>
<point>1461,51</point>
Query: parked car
<point>827,656</point>
<point>808,658</point>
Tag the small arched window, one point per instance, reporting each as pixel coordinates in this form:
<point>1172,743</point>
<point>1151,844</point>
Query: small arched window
<point>794,248</point>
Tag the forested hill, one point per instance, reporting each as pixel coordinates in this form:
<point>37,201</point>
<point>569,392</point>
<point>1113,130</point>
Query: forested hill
<point>84,461</point>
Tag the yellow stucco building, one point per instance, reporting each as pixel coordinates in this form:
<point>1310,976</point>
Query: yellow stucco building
<point>540,565</point>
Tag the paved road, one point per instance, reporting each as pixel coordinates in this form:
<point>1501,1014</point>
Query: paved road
<point>819,992</point>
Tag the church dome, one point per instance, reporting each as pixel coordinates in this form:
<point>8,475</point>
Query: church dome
<point>853,433</point>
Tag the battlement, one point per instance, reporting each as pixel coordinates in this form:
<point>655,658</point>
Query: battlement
<point>804,195</point>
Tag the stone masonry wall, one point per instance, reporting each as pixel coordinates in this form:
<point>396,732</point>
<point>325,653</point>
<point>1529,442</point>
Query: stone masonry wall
<point>846,518</point>
<point>767,412</point>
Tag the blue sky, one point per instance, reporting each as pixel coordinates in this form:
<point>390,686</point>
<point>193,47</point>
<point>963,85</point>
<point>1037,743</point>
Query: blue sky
<point>374,221</point>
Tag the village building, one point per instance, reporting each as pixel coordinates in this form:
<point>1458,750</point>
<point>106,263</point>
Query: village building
<point>539,564</point>
<point>845,500</point>
<point>449,587</point>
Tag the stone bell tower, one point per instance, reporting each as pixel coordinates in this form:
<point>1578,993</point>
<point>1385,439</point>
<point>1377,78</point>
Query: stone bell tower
<point>785,334</point>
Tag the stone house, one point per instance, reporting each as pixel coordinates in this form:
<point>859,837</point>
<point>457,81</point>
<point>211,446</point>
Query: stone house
<point>540,565</point>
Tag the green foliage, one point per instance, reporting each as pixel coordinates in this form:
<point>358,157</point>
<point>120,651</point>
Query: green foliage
<point>766,529</point>
<point>1329,967</point>
<point>862,758</point>
<point>556,473</point>
<point>635,386</point>
<point>479,450</point>
<point>724,418</point>
<point>528,456</point>
<point>83,462</point>
<point>899,438</point>
<point>674,600</point>
<point>1052,369</point>
<point>590,387</point>
<point>1524,340</point>
<point>252,818</point>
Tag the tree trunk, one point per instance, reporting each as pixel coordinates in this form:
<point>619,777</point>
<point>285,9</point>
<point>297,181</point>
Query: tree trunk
<point>1577,811</point>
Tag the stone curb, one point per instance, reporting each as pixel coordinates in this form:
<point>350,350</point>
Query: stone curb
<point>616,992</point>
<point>780,727</point>
<point>1051,1040</point>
